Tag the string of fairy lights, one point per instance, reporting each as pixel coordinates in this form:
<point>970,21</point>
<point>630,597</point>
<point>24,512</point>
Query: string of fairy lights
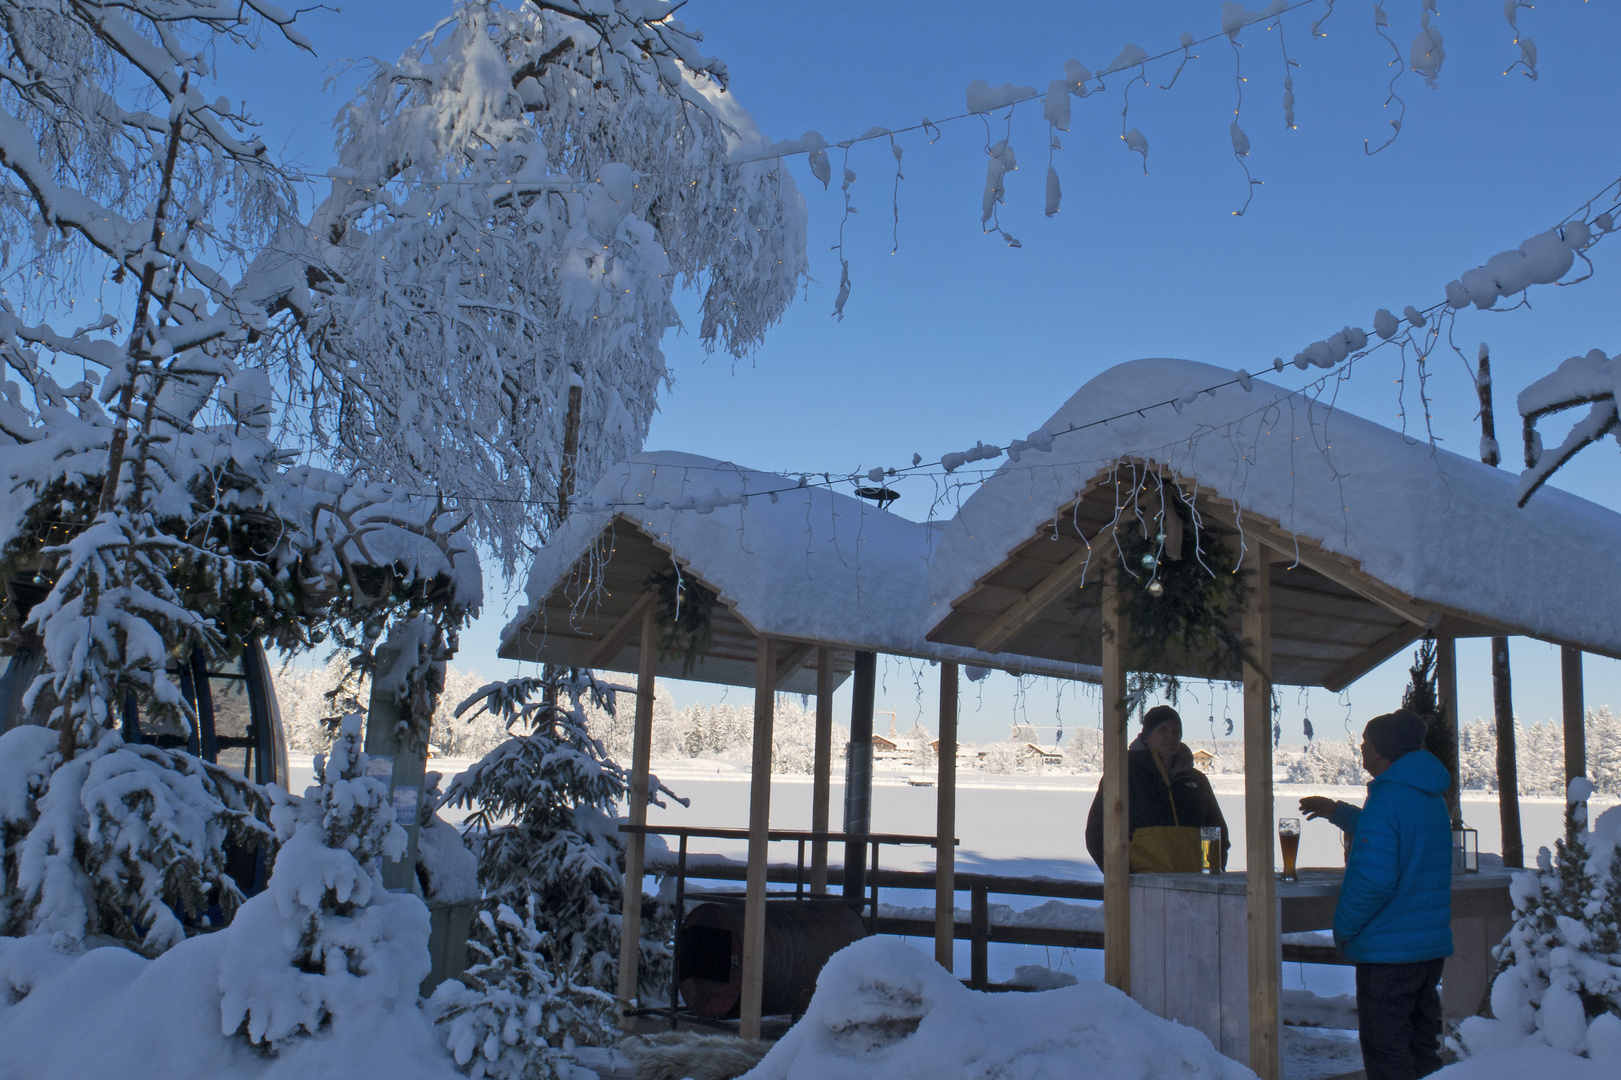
<point>943,466</point>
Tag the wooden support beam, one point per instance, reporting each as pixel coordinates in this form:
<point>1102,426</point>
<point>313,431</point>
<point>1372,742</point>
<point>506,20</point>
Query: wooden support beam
<point>1070,573</point>
<point>792,660</point>
<point>1116,822</point>
<point>1261,910</point>
<point>753,974</point>
<point>945,845</point>
<point>1371,657</point>
<point>1446,688</point>
<point>618,635</point>
<point>822,767</point>
<point>630,934</point>
<point>1570,670</point>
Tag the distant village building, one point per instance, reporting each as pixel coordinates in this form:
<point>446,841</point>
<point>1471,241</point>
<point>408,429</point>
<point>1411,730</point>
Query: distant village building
<point>1202,758</point>
<point>1041,755</point>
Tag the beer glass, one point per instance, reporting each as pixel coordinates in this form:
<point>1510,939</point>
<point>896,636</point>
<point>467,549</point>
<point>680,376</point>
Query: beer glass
<point>1289,841</point>
<point>1210,844</point>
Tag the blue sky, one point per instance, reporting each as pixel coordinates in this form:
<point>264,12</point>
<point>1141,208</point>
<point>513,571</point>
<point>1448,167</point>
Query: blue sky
<point>956,337</point>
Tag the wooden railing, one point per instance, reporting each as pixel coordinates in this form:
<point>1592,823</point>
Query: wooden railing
<point>979,931</point>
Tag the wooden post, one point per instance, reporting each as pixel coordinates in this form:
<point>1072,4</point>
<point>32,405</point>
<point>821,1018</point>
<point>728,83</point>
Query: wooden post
<point>1116,773</point>
<point>1508,769</point>
<point>1261,889</point>
<point>858,775</point>
<point>1446,688</point>
<point>945,826</point>
<point>979,933</point>
<point>822,768</point>
<point>753,976</point>
<point>630,933</point>
<point>1570,670</point>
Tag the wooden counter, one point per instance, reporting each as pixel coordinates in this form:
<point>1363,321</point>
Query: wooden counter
<point>1189,943</point>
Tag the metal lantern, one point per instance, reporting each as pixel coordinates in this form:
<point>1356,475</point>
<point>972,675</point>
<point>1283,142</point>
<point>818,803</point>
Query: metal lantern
<point>1465,850</point>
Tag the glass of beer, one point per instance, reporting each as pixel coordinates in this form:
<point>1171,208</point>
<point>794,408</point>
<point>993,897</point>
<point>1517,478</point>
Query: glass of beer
<point>1289,841</point>
<point>1210,843</point>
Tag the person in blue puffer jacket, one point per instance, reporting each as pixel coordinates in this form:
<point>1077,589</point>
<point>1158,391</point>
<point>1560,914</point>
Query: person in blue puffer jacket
<point>1394,917</point>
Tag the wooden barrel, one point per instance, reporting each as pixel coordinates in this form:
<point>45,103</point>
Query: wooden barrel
<point>800,935</point>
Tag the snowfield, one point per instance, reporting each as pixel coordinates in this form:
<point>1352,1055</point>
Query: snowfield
<point>882,1009</point>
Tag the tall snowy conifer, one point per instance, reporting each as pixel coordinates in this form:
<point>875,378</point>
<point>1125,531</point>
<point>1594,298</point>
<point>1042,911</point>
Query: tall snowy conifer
<point>517,199</point>
<point>543,825</point>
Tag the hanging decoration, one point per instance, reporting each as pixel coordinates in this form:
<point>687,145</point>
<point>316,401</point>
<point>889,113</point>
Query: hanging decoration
<point>1178,604</point>
<point>683,611</point>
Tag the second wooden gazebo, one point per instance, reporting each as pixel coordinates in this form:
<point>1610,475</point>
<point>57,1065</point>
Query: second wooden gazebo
<point>1353,540</point>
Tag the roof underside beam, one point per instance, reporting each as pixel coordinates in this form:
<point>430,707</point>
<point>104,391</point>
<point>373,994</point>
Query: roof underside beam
<point>1070,573</point>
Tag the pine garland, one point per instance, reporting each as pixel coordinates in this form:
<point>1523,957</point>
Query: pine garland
<point>1187,621</point>
<point>684,609</point>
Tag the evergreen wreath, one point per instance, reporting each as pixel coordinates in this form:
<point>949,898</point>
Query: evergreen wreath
<point>1187,619</point>
<point>684,608</point>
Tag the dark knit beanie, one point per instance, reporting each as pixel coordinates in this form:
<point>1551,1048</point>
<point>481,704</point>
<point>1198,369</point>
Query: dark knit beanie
<point>1395,734</point>
<point>1158,715</point>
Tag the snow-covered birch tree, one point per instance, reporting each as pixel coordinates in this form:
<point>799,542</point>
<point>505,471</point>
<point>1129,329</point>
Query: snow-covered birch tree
<point>517,199</point>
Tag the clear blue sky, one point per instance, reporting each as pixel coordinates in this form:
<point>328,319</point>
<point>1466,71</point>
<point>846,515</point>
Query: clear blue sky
<point>957,337</point>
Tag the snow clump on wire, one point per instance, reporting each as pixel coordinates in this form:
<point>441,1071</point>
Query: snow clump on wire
<point>325,944</point>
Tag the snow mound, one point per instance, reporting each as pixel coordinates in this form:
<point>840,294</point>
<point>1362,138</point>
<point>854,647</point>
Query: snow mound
<point>111,1012</point>
<point>1523,1061</point>
<point>885,1011</point>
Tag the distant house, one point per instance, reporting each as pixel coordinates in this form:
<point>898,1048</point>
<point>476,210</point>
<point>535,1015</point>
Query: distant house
<point>1203,758</point>
<point>1041,755</point>
<point>893,749</point>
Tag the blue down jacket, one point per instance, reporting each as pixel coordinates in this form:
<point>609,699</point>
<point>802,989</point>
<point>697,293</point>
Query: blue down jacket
<point>1396,903</point>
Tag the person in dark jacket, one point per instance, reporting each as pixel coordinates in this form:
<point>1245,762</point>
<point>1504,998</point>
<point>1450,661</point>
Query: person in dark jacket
<point>1156,797</point>
<point>1394,917</point>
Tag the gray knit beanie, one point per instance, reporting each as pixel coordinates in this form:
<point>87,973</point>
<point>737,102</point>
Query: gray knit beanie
<point>1395,734</point>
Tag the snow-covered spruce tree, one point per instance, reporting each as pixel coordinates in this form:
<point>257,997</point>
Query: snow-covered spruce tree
<point>543,824</point>
<point>325,943</point>
<point>554,169</point>
<point>1558,976</point>
<point>518,1011</point>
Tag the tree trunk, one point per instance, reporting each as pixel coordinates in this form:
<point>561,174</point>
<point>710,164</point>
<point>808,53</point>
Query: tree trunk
<point>1508,772</point>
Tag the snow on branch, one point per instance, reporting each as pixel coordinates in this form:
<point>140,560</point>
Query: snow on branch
<point>555,171</point>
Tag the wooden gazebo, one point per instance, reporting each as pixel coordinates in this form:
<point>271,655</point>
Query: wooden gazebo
<point>805,581</point>
<point>1354,539</point>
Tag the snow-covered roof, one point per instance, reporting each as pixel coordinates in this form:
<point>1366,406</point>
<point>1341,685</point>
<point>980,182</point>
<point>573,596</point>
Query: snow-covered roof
<point>808,565</point>
<point>1429,535</point>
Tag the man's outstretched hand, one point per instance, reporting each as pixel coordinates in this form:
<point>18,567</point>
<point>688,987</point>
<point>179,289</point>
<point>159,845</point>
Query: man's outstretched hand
<point>1317,806</point>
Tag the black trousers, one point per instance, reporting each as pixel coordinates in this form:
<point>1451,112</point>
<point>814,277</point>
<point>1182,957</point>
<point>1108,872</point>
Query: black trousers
<point>1399,1019</point>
